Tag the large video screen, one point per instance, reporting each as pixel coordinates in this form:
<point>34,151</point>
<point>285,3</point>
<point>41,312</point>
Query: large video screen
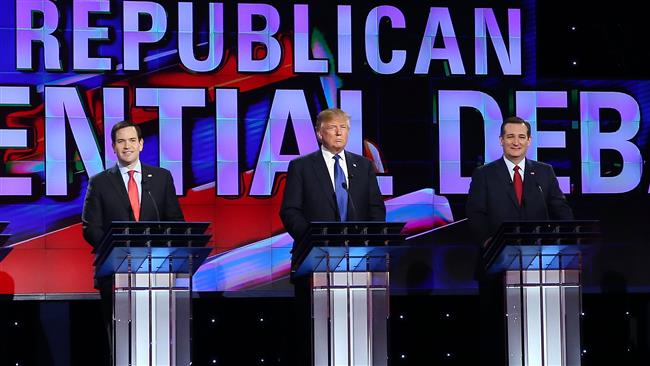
<point>226,95</point>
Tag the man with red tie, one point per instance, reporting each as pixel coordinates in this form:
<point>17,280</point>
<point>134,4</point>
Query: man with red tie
<point>512,188</point>
<point>128,191</point>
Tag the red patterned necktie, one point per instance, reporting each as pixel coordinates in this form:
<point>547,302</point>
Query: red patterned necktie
<point>519,184</point>
<point>134,196</point>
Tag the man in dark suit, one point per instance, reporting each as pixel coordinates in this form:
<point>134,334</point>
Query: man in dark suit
<point>152,196</point>
<point>330,184</point>
<point>512,188</point>
<point>493,196</point>
<point>128,191</point>
<point>315,192</point>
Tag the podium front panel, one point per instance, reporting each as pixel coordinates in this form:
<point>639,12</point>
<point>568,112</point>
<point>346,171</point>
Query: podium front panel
<point>537,257</point>
<point>543,317</point>
<point>350,310</point>
<point>156,260</point>
<point>345,259</point>
<point>542,262</point>
<point>348,264</point>
<point>152,319</point>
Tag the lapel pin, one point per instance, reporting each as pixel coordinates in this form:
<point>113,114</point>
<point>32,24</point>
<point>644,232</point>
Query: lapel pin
<point>532,173</point>
<point>354,165</point>
<point>149,175</point>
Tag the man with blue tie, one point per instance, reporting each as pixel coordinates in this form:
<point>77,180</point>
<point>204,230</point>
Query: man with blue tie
<point>330,184</point>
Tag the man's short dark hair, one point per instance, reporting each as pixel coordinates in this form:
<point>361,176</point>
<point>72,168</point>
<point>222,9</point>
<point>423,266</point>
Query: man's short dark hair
<point>125,124</point>
<point>514,120</point>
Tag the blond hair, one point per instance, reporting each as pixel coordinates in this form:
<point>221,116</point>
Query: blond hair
<point>330,114</point>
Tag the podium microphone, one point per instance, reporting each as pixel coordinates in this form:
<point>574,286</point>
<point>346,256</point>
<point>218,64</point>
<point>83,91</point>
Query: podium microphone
<point>354,209</point>
<point>541,192</point>
<point>145,187</point>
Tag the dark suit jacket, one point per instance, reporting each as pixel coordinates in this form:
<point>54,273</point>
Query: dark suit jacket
<point>492,200</point>
<point>309,195</point>
<point>107,200</point>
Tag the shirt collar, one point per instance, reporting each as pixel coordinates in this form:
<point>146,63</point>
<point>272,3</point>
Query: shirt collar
<point>328,155</point>
<point>511,165</point>
<point>124,170</point>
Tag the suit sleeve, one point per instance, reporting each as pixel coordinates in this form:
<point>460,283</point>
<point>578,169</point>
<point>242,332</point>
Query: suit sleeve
<point>92,216</point>
<point>476,207</point>
<point>376,206</point>
<point>291,211</point>
<point>173,210</point>
<point>558,206</point>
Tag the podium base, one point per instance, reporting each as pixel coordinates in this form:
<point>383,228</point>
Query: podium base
<point>543,317</point>
<point>349,318</point>
<point>151,319</point>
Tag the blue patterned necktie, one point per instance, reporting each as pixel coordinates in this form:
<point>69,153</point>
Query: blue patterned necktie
<point>341,193</point>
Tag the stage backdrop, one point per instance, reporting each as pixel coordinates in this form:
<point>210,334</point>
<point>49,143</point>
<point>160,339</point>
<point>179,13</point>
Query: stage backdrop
<point>226,95</point>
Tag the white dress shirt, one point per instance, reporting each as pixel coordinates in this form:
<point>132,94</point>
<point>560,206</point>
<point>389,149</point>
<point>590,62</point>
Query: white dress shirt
<point>329,161</point>
<point>124,171</point>
<point>511,168</point>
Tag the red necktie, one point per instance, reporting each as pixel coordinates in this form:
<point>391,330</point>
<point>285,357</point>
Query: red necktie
<point>134,196</point>
<point>518,183</point>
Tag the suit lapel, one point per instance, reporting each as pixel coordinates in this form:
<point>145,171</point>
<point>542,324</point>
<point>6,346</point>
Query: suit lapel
<point>353,178</point>
<point>323,177</point>
<point>504,176</point>
<point>118,184</point>
<point>353,166</point>
<point>146,207</point>
<point>530,181</point>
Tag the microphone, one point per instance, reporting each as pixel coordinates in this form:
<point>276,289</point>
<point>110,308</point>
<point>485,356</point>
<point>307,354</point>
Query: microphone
<point>145,187</point>
<point>354,209</point>
<point>541,192</point>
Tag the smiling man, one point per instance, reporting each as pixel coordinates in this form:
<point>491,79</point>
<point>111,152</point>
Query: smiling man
<point>513,188</point>
<point>128,191</point>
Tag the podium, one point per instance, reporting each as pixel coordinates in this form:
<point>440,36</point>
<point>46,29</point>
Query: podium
<point>542,262</point>
<point>348,263</point>
<point>151,265</point>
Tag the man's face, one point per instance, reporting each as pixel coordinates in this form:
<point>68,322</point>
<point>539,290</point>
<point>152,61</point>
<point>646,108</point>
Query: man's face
<point>515,141</point>
<point>127,147</point>
<point>334,134</point>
